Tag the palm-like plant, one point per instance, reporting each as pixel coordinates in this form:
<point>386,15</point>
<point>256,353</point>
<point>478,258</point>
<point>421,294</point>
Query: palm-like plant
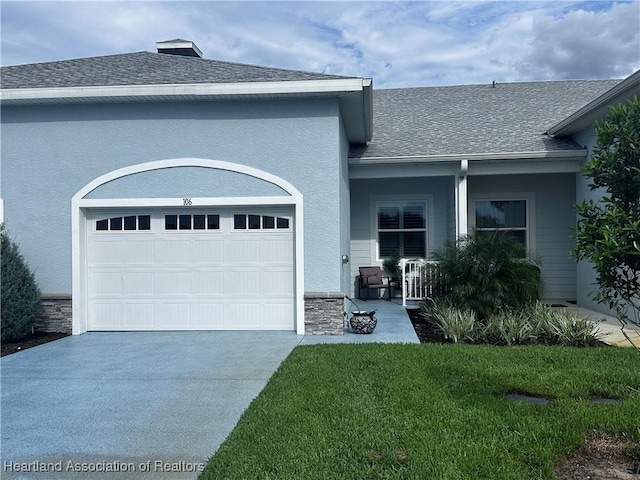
<point>487,272</point>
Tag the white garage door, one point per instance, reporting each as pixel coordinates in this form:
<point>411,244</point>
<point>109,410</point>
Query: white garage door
<point>191,269</point>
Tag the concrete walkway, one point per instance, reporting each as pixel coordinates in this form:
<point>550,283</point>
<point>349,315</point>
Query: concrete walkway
<point>143,403</point>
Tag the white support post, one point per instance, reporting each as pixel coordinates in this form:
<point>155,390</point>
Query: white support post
<point>462,199</point>
<point>404,283</point>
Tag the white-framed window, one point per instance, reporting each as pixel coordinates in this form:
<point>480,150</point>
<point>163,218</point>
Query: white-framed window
<point>401,226</point>
<point>501,213</point>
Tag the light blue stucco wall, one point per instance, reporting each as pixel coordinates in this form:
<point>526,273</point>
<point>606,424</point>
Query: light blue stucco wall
<point>50,152</point>
<point>586,275</point>
<point>345,209</point>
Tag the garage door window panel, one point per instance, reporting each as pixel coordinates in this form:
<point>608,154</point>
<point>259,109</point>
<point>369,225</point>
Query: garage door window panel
<point>243,221</point>
<point>128,223</point>
<point>187,222</point>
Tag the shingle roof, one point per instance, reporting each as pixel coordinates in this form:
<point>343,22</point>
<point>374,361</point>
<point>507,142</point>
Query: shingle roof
<point>512,117</point>
<point>143,68</point>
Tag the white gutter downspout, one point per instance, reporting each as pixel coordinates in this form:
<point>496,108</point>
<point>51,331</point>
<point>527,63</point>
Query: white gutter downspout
<point>461,199</point>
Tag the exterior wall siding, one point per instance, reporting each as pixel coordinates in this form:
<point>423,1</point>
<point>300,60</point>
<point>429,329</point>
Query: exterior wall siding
<point>554,215</point>
<point>51,152</point>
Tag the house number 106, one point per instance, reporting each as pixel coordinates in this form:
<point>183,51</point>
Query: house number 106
<point>187,201</point>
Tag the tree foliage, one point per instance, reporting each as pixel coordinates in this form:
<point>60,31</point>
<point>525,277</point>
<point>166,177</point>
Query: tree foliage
<point>20,294</point>
<point>608,231</point>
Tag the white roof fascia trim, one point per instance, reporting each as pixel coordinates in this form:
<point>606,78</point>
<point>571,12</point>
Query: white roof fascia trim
<point>190,90</point>
<point>603,100</point>
<point>541,155</point>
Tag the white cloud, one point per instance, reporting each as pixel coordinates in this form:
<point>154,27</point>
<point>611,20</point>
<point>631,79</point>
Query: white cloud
<point>396,43</point>
<point>586,44</point>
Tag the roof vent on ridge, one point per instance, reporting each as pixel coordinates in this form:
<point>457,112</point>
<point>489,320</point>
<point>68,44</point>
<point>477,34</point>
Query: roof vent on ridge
<point>178,46</point>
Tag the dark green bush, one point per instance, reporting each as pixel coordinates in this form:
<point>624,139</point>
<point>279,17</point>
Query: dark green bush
<point>488,272</point>
<point>20,295</point>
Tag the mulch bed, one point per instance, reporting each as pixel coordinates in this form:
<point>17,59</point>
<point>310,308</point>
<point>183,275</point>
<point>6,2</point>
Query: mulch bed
<point>34,340</point>
<point>425,331</point>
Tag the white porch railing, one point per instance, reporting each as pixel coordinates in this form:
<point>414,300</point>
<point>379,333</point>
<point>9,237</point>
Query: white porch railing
<point>421,279</point>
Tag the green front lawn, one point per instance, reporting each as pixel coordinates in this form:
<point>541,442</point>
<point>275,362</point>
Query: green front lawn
<point>429,412</point>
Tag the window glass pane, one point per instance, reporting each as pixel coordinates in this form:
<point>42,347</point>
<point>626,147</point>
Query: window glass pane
<point>239,222</point>
<point>520,235</point>
<point>116,223</point>
<point>501,214</point>
<point>102,224</point>
<point>268,222</point>
<point>413,215</point>
<point>414,244</point>
<point>388,218</point>
<point>185,222</point>
<point>388,242</point>
<point>198,222</point>
<point>213,222</point>
<point>130,222</point>
<point>144,222</point>
<point>171,222</point>
<point>254,222</point>
<point>283,222</point>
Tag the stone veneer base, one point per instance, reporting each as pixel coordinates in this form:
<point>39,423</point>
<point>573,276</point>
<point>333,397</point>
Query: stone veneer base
<point>55,314</point>
<point>324,313</point>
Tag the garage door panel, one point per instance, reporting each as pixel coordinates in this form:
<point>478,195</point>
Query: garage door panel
<point>139,315</point>
<point>172,315</point>
<point>207,316</point>
<point>276,251</point>
<point>242,314</point>
<point>172,282</point>
<point>209,283</point>
<point>277,316</point>
<point>172,250</point>
<point>220,279</point>
<point>276,283</point>
<point>105,283</point>
<point>207,251</point>
<point>138,283</point>
<point>106,252</point>
<point>106,316</point>
<point>242,251</point>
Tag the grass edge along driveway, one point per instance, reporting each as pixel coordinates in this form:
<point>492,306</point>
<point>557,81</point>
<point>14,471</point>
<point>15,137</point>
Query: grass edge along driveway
<point>429,411</point>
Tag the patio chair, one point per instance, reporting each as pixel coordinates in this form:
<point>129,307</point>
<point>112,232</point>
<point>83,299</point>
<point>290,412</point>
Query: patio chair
<point>371,277</point>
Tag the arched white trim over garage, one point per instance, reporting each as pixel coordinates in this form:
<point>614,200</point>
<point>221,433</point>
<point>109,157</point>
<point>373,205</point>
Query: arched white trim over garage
<point>80,204</point>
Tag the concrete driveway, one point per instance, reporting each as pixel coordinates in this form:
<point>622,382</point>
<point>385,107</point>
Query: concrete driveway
<point>131,405</point>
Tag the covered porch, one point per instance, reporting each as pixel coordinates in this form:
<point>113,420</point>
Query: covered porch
<point>416,206</point>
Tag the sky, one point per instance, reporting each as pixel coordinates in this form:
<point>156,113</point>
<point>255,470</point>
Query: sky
<point>397,43</point>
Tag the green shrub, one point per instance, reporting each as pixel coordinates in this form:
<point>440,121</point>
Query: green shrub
<point>537,323</point>
<point>20,294</point>
<point>510,328</point>
<point>488,272</point>
<point>456,324</point>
